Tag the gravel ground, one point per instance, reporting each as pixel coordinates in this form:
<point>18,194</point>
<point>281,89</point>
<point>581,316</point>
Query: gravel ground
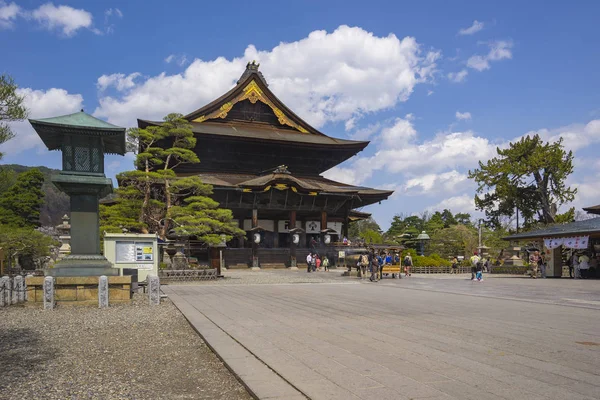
<point>123,352</point>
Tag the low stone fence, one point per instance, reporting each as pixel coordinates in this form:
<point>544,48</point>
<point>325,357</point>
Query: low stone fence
<point>12,290</point>
<point>187,274</point>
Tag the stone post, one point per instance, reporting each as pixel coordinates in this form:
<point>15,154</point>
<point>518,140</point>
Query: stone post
<point>103,292</point>
<point>7,293</point>
<point>25,290</point>
<point>48,293</point>
<point>3,289</point>
<point>18,290</point>
<point>154,290</point>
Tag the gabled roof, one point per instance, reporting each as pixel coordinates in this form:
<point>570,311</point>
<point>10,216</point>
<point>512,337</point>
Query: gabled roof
<point>251,86</point>
<point>588,226</point>
<point>51,131</point>
<point>592,209</point>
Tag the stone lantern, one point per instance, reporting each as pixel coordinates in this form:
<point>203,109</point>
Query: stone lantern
<point>64,231</point>
<point>83,141</point>
<point>422,238</point>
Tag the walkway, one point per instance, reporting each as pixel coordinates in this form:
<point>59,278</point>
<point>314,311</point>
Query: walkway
<point>416,338</point>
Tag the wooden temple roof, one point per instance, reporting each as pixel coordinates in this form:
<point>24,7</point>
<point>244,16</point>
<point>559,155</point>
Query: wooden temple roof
<point>593,209</point>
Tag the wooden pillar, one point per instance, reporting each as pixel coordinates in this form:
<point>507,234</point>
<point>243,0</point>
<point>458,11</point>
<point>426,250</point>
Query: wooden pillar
<point>275,233</point>
<point>345,224</point>
<point>293,246</point>
<point>255,264</point>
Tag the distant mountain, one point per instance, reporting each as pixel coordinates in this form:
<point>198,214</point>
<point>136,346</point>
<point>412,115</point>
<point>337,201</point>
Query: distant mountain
<point>56,203</point>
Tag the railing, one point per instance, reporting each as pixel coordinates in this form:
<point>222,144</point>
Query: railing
<point>187,274</point>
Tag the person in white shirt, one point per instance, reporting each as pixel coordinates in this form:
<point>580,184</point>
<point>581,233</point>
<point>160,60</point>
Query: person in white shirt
<point>584,265</point>
<point>308,262</point>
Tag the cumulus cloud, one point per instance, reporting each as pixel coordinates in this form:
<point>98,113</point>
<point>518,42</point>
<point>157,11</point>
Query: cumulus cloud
<point>575,136</point>
<point>463,116</point>
<point>476,27</point>
<point>446,182</point>
<point>8,14</point>
<point>499,50</point>
<point>41,104</point>
<point>120,82</point>
<point>458,77</point>
<point>401,132</point>
<point>357,73</point>
<point>458,204</point>
<point>63,18</point>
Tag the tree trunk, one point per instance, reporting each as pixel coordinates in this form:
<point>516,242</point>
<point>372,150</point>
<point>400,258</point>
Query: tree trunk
<point>165,227</point>
<point>544,199</point>
<point>146,194</point>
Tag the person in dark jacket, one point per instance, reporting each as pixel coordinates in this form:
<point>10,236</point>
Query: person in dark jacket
<point>374,268</point>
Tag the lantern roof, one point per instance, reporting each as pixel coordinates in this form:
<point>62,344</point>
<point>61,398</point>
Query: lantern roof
<point>52,131</point>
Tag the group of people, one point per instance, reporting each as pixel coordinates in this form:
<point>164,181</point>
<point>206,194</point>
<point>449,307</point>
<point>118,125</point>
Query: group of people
<point>314,262</point>
<point>580,265</point>
<point>375,263</point>
<point>537,261</point>
<point>477,266</point>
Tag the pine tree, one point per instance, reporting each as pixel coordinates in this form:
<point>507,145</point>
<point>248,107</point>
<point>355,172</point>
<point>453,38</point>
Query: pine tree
<point>20,204</point>
<point>11,107</point>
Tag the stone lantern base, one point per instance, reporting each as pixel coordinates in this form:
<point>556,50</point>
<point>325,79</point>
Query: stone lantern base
<point>83,265</point>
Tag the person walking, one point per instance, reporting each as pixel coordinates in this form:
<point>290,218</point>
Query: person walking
<point>374,269</point>
<point>454,269</point>
<point>364,265</point>
<point>407,264</point>
<point>318,263</point>
<point>534,262</point>
<point>325,263</point>
<point>542,264</point>
<point>475,259</point>
<point>308,262</point>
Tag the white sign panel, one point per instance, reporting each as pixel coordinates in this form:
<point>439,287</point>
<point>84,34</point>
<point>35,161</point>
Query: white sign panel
<point>283,226</point>
<point>313,226</point>
<point>342,254</point>
<point>336,226</point>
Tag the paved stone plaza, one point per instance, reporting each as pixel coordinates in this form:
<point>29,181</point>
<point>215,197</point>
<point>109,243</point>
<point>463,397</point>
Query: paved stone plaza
<point>425,337</point>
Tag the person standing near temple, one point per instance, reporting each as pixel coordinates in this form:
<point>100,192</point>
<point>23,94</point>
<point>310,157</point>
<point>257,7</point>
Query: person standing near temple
<point>584,265</point>
<point>542,264</point>
<point>454,269</point>
<point>573,266</point>
<point>475,259</point>
<point>325,263</point>
<point>318,263</point>
<point>534,262</point>
<point>407,264</point>
<point>308,262</point>
<point>374,268</point>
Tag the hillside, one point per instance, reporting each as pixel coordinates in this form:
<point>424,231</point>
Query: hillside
<point>56,203</point>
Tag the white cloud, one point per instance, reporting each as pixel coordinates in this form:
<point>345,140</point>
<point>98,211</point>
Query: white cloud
<point>180,60</point>
<point>367,132</point>
<point>113,11</point>
<point>463,116</point>
<point>41,104</point>
<point>457,204</point>
<point>476,27</point>
<point>458,77</point>
<point>430,92</point>
<point>67,19</point>
<point>357,73</point>
<point>349,176</point>
<point>119,81</point>
<point>575,136</point>
<point>401,132</point>
<point>499,50</point>
<point>446,182</point>
<point>8,13</point>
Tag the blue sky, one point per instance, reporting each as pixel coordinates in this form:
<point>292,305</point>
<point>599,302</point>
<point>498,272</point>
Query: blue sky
<point>434,85</point>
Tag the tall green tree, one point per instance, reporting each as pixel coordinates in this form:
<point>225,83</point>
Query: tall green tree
<point>356,228</point>
<point>20,204</point>
<point>11,107</point>
<point>530,174</point>
<point>26,244</point>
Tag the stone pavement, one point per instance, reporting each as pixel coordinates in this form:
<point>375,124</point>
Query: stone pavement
<point>415,338</point>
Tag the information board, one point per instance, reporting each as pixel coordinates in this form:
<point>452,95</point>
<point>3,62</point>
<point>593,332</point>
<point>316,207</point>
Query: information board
<point>134,252</point>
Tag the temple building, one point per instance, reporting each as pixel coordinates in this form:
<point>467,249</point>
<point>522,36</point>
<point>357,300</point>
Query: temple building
<point>265,164</point>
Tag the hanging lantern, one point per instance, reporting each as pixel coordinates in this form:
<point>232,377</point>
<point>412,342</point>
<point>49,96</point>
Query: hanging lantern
<point>327,239</point>
<point>257,238</point>
<point>295,238</point>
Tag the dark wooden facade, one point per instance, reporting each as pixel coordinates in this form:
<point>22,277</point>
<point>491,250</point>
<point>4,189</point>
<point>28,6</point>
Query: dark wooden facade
<point>265,164</point>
